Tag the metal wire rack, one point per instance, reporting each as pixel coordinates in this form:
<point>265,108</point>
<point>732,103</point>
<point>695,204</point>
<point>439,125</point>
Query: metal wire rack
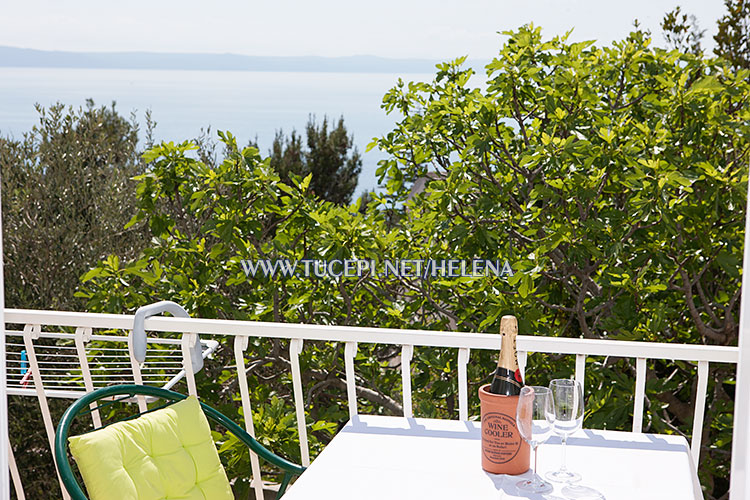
<point>67,365</point>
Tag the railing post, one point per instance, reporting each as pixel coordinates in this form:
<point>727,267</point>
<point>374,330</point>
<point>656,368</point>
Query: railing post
<point>581,371</point>
<point>189,341</point>
<point>407,351</point>
<point>83,336</point>
<point>640,394</point>
<point>295,348</point>
<point>739,477</point>
<point>4,437</point>
<point>350,350</point>
<point>522,359</point>
<point>700,409</point>
<point>463,386</point>
<point>17,485</point>
<point>31,333</point>
<point>240,346</point>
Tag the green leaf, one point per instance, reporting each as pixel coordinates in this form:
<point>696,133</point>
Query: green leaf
<point>606,134</point>
<point>525,286</point>
<point>139,216</point>
<point>93,273</point>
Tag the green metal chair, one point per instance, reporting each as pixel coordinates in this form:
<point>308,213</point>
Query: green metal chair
<point>108,395</point>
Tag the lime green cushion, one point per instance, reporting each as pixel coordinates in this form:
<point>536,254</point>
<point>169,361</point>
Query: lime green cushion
<point>165,454</point>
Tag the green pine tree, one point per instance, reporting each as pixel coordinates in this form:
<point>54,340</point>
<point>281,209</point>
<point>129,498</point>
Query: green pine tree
<point>330,156</point>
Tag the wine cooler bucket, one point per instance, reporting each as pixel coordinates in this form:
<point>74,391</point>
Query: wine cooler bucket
<point>504,451</point>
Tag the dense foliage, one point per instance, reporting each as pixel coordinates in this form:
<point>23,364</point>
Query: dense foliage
<point>613,179</point>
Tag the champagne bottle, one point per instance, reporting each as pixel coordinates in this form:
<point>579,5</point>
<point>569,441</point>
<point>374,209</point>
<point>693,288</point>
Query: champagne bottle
<point>507,380</point>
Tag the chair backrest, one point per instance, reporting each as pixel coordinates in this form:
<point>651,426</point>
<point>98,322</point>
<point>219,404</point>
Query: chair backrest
<point>109,395</point>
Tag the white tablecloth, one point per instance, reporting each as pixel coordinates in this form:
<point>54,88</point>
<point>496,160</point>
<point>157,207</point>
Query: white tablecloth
<point>376,457</point>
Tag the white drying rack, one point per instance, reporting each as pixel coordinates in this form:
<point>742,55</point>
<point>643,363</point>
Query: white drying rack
<point>69,362</point>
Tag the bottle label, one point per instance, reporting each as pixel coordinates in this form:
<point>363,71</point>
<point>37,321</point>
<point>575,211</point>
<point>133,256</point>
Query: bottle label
<point>506,381</point>
<point>501,440</point>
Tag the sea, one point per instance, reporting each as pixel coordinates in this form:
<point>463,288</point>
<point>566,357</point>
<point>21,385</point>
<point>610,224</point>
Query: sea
<point>250,105</point>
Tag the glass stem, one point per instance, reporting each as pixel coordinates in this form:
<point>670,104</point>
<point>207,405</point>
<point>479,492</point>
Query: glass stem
<point>535,479</point>
<point>564,441</point>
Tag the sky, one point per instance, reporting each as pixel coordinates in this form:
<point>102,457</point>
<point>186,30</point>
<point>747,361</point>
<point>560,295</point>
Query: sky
<point>433,29</point>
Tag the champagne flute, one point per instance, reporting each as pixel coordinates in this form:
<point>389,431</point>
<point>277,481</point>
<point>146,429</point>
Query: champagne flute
<point>535,416</point>
<point>568,400</point>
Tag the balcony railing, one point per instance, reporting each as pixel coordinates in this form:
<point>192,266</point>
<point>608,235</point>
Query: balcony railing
<point>40,324</point>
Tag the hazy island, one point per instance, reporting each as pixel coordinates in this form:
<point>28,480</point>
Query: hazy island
<point>20,57</point>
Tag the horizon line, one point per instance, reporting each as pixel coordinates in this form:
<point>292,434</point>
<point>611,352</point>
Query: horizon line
<point>237,54</point>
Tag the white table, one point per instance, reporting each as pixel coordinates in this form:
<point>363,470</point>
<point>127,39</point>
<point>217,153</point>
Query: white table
<point>376,457</point>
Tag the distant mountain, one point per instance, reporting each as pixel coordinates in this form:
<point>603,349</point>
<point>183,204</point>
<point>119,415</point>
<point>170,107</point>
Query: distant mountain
<point>17,57</point>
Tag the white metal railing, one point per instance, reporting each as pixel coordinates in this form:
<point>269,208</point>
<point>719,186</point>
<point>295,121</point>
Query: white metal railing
<point>409,340</point>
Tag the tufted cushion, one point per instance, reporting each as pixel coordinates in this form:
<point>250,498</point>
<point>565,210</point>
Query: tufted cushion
<point>165,454</point>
